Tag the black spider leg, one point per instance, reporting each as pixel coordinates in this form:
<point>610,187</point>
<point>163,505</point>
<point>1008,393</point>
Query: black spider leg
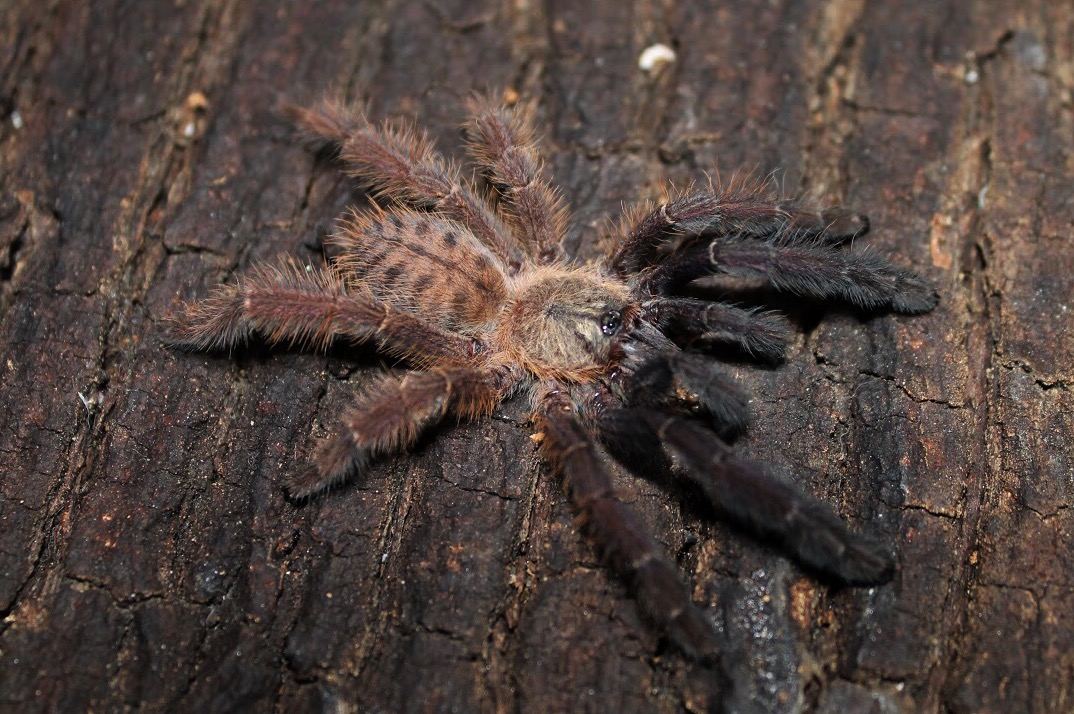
<point>811,270</point>
<point>605,397</point>
<point>634,555</point>
<point>771,506</point>
<point>690,381</point>
<point>761,334</point>
<point>737,210</point>
<point>748,495</point>
<point>764,504</point>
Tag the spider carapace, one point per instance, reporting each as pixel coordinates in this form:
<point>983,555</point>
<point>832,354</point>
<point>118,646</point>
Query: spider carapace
<point>471,288</point>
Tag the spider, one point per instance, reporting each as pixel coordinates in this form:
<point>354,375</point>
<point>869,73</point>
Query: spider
<point>472,289</point>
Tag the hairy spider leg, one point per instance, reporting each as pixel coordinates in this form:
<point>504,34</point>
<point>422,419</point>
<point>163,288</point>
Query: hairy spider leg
<point>691,380</point>
<point>761,334</point>
<point>391,415</point>
<point>771,506</point>
<point>502,144</point>
<point>831,226</point>
<point>302,305</point>
<point>744,209</point>
<point>815,271</point>
<point>399,163</point>
<point>623,541</point>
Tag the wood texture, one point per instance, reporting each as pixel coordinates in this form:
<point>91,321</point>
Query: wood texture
<point>148,557</point>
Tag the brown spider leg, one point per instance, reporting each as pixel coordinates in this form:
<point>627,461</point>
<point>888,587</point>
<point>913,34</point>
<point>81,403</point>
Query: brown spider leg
<point>814,271</point>
<point>391,415</point>
<point>621,537</point>
<point>761,334</point>
<point>770,506</point>
<point>307,306</point>
<point>395,161</point>
<point>738,210</point>
<point>502,144</point>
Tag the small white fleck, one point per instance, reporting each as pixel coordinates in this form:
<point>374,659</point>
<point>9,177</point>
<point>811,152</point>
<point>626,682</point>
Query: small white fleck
<point>655,56</point>
<point>16,120</point>
<point>189,129</point>
<point>971,76</point>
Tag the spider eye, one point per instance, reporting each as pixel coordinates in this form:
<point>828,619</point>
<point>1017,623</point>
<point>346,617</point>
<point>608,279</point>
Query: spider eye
<point>610,322</point>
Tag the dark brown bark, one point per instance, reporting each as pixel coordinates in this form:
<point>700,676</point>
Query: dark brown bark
<point>149,558</point>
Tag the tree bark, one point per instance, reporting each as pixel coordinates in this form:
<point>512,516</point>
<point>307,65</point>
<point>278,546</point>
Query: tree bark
<point>149,558</point>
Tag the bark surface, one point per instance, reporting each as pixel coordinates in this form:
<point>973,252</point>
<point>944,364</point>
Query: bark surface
<point>148,557</point>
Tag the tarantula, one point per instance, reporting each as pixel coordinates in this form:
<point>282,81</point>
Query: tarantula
<point>475,293</point>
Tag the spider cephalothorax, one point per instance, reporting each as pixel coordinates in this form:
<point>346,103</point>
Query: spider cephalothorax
<point>475,294</point>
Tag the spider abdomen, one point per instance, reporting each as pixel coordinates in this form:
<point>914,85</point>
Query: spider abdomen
<point>423,264</point>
